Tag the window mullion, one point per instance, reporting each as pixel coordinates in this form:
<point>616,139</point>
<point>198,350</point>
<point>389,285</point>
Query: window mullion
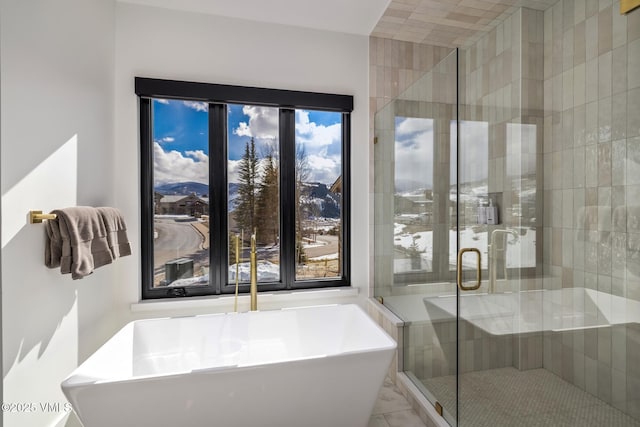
<point>345,213</point>
<point>287,196</point>
<point>146,184</point>
<point>218,249</point>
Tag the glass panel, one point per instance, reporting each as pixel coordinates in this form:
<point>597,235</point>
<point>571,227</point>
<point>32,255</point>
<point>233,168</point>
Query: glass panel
<point>415,198</point>
<point>253,191</point>
<point>413,201</point>
<point>181,192</point>
<point>318,194</point>
<point>557,307</point>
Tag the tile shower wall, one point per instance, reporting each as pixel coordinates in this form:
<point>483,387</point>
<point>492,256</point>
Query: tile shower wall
<point>592,187</point>
<point>502,86</point>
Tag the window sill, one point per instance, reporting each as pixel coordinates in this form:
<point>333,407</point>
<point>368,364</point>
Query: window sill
<point>267,299</point>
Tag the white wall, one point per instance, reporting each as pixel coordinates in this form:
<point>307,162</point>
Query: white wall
<point>57,115</point>
<point>69,136</point>
<point>153,42</point>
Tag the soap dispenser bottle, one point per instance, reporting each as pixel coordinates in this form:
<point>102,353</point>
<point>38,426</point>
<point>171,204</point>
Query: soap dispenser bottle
<point>482,214</point>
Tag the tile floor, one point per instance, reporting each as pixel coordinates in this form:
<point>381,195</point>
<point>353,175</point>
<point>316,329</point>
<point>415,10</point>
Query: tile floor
<point>532,398</point>
<point>393,410</point>
<point>505,397</point>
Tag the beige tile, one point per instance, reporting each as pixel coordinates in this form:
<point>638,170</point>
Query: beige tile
<point>633,161</point>
<point>567,14</point>
<point>604,120</point>
<point>618,163</point>
<point>579,88</point>
<point>579,51</point>
<point>567,89</point>
<point>579,125</point>
<point>619,70</point>
<point>591,123</point>
<point>378,421</point>
<point>619,27</point>
<point>404,419</point>
<point>591,7</point>
<point>603,4</point>
<point>591,77</point>
<point>579,167</point>
<point>591,37</point>
<point>604,74</point>
<point>633,112</point>
<point>633,65</point>
<point>633,26</point>
<point>619,116</point>
<point>390,399</point>
<point>567,50</point>
<point>579,10</point>
<point>605,32</point>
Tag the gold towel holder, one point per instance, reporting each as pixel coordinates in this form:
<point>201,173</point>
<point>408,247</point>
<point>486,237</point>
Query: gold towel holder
<point>36,217</point>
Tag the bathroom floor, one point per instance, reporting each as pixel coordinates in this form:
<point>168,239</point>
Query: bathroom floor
<point>509,397</point>
<point>393,410</point>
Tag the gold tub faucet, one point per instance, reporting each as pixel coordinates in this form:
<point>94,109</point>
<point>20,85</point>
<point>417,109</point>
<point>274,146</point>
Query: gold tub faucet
<point>254,274</point>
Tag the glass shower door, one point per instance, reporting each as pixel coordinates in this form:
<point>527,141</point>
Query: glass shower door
<point>421,125</point>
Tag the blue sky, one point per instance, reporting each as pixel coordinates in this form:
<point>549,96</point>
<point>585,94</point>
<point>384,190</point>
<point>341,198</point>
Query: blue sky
<point>180,134</point>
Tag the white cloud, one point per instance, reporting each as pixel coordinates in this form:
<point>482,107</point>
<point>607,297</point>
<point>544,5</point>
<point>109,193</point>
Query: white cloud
<point>162,101</point>
<point>313,135</point>
<point>263,123</point>
<point>168,139</point>
<point>172,166</point>
<point>198,106</point>
<point>232,170</point>
<point>324,169</point>
<point>197,155</point>
<point>242,130</point>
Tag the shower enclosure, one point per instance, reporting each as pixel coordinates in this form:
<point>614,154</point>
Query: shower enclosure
<point>507,222</point>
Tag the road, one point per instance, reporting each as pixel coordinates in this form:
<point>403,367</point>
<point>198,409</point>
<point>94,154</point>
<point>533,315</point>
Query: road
<point>177,240</point>
<point>329,246</point>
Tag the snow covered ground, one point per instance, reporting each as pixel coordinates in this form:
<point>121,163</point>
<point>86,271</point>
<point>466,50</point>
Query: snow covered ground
<point>267,271</point>
<point>520,251</point>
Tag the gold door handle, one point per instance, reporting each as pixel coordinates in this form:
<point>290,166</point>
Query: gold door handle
<point>478,270</point>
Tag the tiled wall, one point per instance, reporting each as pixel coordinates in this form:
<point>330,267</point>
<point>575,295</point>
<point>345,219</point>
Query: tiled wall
<point>592,187</point>
<point>572,73</point>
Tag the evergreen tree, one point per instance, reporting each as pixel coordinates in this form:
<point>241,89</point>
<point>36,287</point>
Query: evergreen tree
<point>245,213</point>
<point>267,219</point>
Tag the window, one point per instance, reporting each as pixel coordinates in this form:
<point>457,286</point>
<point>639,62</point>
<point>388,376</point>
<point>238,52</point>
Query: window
<point>220,163</point>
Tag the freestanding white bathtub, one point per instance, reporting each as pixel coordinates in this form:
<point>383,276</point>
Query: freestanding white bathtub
<point>316,366</point>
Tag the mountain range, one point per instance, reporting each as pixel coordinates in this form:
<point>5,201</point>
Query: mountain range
<point>318,200</point>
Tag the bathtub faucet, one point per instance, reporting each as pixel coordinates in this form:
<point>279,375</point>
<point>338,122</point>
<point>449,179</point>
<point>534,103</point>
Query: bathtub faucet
<point>498,243</point>
<point>254,274</point>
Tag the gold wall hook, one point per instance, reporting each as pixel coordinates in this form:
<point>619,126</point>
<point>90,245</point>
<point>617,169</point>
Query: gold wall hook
<point>36,217</point>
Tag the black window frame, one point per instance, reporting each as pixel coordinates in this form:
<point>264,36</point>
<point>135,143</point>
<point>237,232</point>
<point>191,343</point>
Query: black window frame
<point>217,97</point>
